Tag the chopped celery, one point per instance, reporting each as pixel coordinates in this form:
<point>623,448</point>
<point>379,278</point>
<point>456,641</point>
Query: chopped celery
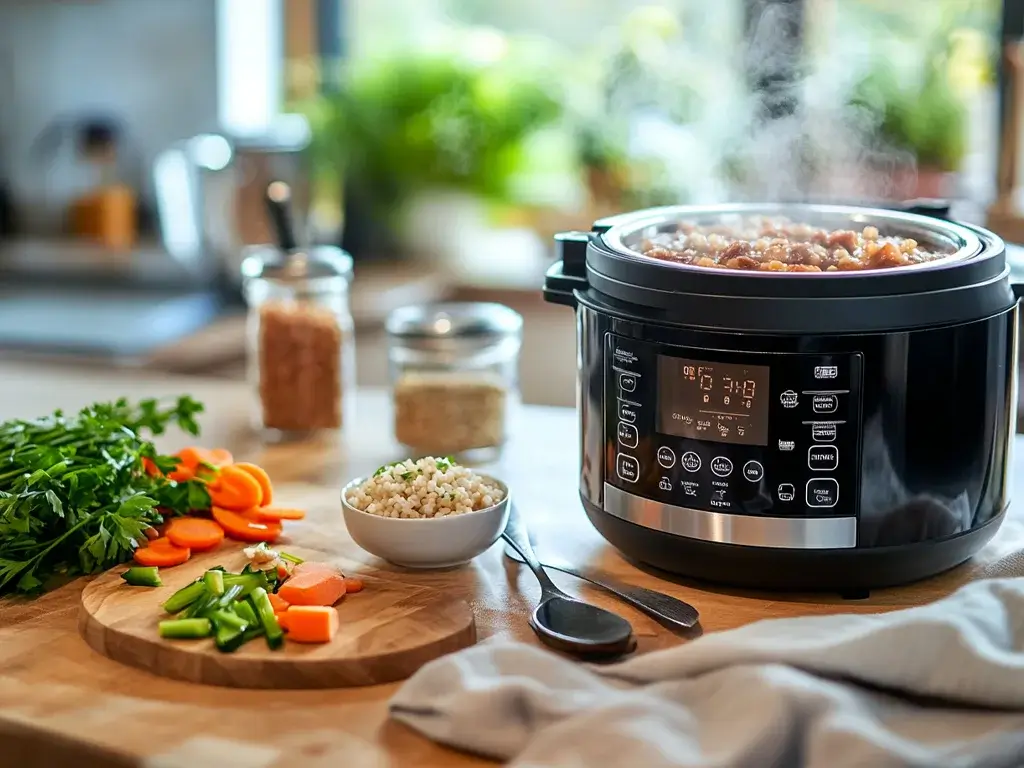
<point>214,581</point>
<point>185,629</point>
<point>185,596</point>
<point>143,576</point>
<point>248,581</point>
<point>265,612</point>
<point>291,558</point>
<point>245,612</point>
<point>202,606</point>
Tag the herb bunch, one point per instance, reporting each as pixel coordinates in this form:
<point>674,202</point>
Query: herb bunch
<point>74,495</point>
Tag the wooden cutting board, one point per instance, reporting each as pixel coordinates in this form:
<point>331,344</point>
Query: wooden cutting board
<point>387,632</point>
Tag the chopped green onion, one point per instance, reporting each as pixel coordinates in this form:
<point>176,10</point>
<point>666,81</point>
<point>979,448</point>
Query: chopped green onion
<point>214,581</point>
<point>265,612</point>
<point>185,629</point>
<point>185,596</point>
<point>290,558</point>
<point>143,576</point>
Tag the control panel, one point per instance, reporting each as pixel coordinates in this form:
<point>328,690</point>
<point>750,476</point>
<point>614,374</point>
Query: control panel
<point>746,433</point>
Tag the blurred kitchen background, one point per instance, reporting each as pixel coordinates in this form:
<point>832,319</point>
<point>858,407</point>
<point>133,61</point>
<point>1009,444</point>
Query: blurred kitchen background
<point>444,142</point>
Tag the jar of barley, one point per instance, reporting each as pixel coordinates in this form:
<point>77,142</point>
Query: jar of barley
<point>454,378</point>
<point>300,348</point>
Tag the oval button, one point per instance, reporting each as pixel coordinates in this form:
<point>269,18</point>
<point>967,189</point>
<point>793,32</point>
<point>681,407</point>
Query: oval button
<point>721,466</point>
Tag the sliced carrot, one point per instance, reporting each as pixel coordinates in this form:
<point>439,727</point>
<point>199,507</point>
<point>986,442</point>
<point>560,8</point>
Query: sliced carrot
<point>278,603</point>
<point>195,533</point>
<point>150,467</point>
<point>312,623</point>
<point>353,584</point>
<point>282,619</point>
<point>193,457</point>
<point>277,513</point>
<point>283,572</point>
<point>260,476</point>
<point>182,474</point>
<point>242,528</point>
<point>313,588</point>
<point>234,489</point>
<point>162,553</point>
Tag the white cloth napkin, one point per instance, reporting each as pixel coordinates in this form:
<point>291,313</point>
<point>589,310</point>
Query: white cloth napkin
<point>934,686</point>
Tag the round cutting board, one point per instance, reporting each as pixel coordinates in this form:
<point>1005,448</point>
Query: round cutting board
<point>386,632</point>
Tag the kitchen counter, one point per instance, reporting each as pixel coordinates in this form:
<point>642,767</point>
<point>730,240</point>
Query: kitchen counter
<point>62,703</point>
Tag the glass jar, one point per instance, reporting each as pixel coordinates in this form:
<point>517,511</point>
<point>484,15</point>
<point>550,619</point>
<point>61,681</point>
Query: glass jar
<point>454,378</point>
<point>300,347</point>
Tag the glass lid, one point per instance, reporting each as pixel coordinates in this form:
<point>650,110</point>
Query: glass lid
<point>797,239</point>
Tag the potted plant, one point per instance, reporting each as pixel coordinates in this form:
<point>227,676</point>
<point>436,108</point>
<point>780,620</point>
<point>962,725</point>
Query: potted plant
<point>425,124</point>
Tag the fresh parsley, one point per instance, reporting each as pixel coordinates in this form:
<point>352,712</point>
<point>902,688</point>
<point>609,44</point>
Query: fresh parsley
<point>74,495</point>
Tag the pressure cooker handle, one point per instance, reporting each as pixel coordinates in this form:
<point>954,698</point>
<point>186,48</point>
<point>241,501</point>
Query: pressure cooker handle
<point>569,273</point>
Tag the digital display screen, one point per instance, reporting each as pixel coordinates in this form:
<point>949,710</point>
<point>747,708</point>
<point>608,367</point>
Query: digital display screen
<point>720,402</point>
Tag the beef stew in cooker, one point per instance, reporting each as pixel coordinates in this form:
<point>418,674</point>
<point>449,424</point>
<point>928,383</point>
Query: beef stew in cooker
<point>774,245</point>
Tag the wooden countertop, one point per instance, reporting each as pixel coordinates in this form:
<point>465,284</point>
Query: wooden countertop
<point>61,703</point>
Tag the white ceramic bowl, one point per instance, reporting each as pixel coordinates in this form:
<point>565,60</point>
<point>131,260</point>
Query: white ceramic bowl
<point>427,542</point>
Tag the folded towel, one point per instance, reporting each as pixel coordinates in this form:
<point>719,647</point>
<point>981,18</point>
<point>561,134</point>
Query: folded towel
<point>937,685</point>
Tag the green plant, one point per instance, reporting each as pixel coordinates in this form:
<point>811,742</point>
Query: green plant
<point>925,115</point>
<point>418,121</point>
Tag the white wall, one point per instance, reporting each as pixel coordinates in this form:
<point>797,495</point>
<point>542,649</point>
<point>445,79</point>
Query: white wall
<point>152,63</point>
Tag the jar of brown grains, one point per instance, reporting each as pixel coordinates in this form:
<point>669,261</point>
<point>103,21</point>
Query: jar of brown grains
<point>300,349</point>
<point>454,378</point>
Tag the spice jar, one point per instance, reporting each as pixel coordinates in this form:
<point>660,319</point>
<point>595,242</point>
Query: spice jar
<point>454,377</point>
<point>300,349</point>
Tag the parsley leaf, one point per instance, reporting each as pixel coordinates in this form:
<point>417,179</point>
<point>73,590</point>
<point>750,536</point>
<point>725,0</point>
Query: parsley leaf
<point>74,495</point>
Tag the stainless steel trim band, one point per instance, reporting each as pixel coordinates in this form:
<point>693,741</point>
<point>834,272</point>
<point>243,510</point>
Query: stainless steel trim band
<point>745,530</point>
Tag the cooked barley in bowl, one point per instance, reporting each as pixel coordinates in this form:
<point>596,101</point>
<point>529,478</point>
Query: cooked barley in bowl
<point>427,488</point>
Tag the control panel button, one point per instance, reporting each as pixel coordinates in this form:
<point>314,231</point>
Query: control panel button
<point>627,412</point>
<point>665,484</point>
<point>824,431</point>
<point>822,492</point>
<point>824,403</point>
<point>627,382</point>
<point>822,458</point>
<point>786,445</point>
<point>786,492</point>
<point>789,399</point>
<point>628,468</point>
<point>826,371</point>
<point>666,457</point>
<point>721,466</point>
<point>753,471</point>
<point>628,436</point>
<point>690,461</point>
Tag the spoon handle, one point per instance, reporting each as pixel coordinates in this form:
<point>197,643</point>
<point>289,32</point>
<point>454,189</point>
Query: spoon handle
<point>516,536</point>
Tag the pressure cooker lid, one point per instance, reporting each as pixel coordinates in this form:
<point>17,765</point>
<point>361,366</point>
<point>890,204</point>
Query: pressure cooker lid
<point>791,240</point>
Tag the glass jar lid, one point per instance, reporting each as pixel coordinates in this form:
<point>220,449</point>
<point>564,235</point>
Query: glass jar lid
<point>479,321</point>
<point>320,262</point>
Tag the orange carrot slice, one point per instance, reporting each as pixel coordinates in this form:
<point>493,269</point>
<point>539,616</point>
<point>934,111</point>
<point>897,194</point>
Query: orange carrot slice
<point>353,584</point>
<point>195,533</point>
<point>279,604</point>
<point>182,474</point>
<point>242,528</point>
<point>313,588</point>
<point>276,513</point>
<point>282,619</point>
<point>312,623</point>
<point>260,476</point>
<point>234,489</point>
<point>162,553</point>
<point>193,457</point>
<point>150,467</point>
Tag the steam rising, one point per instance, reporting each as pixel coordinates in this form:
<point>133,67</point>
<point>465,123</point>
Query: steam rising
<point>796,137</point>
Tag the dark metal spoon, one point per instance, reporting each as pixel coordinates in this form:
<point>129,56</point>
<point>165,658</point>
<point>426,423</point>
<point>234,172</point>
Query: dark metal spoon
<point>668,610</point>
<point>564,622</point>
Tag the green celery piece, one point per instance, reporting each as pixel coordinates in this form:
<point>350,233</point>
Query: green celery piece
<point>185,629</point>
<point>185,596</point>
<point>246,613</point>
<point>214,581</point>
<point>265,612</point>
<point>248,581</point>
<point>143,576</point>
<point>291,558</point>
